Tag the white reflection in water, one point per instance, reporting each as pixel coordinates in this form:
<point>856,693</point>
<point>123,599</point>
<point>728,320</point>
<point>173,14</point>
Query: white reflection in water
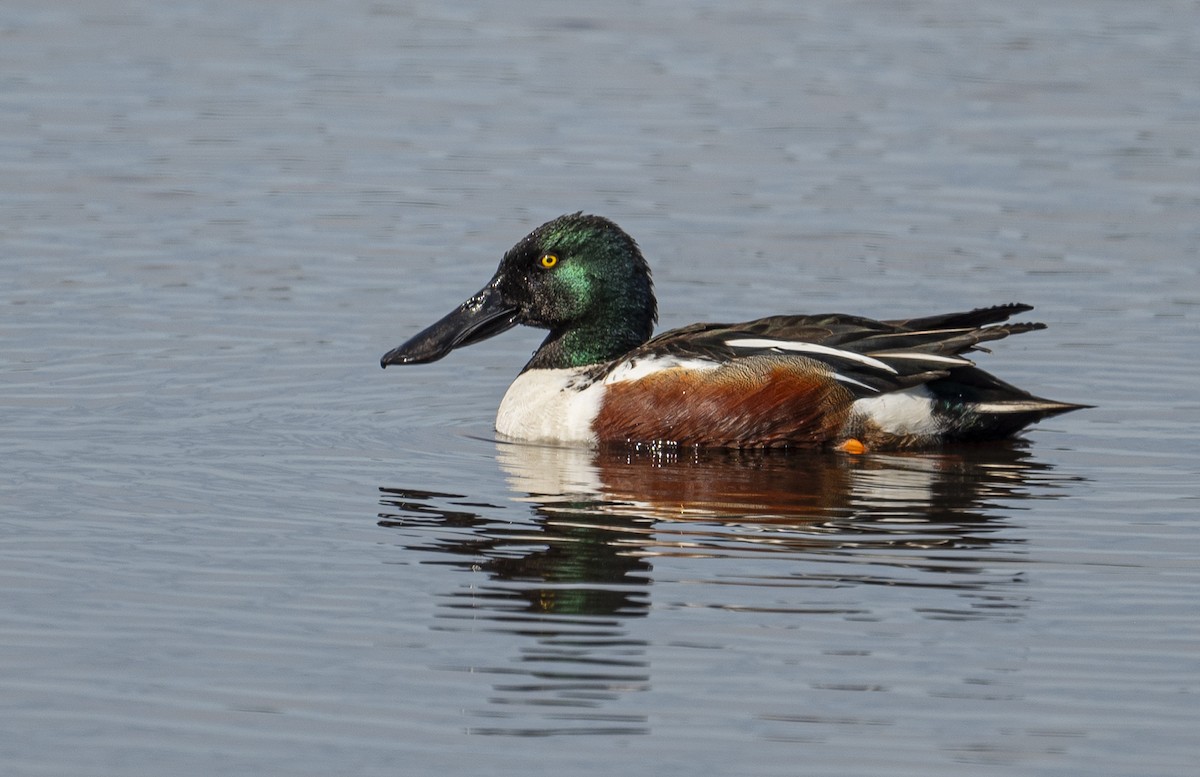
<point>572,576</point>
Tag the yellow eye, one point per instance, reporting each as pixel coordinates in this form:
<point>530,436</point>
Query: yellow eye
<point>549,260</point>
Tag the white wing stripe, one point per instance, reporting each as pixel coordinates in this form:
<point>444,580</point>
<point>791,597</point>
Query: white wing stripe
<point>843,379</point>
<point>640,368</point>
<point>790,345</point>
<point>929,357</point>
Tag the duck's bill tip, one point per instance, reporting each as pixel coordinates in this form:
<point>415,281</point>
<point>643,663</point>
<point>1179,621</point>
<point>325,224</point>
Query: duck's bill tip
<point>397,356</point>
<point>427,346</point>
<point>415,352</point>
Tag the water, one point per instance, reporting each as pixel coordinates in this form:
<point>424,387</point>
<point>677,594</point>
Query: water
<point>231,543</point>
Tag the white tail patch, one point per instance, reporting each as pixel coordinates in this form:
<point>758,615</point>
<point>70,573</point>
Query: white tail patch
<point>791,345</point>
<point>907,412</point>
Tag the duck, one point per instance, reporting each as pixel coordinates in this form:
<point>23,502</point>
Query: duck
<point>833,381</point>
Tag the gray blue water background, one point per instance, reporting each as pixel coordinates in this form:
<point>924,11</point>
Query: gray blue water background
<point>229,543</point>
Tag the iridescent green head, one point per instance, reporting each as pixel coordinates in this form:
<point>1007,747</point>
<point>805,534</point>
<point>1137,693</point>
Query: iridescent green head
<point>582,277</point>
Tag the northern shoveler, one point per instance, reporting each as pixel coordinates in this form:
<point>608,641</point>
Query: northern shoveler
<point>806,381</point>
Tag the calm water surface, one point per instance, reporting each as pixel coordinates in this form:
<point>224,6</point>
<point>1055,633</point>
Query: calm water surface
<point>230,543</point>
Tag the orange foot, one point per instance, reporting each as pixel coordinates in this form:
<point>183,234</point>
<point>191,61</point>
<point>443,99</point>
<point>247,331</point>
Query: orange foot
<point>852,446</point>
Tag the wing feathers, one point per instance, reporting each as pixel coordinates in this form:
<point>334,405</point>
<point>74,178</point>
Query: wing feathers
<point>868,356</point>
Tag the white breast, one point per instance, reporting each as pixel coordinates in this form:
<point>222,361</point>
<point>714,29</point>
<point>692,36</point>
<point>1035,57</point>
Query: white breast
<point>560,405</point>
<point>549,405</point>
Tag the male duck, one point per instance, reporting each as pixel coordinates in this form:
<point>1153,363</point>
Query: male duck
<point>784,381</point>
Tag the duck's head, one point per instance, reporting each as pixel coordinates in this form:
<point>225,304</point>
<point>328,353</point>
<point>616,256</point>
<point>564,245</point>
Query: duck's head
<point>579,276</point>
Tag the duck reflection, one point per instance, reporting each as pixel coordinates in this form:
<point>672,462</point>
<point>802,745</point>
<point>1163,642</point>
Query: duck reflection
<point>561,568</point>
<point>800,500</point>
<point>574,573</point>
<point>564,587</point>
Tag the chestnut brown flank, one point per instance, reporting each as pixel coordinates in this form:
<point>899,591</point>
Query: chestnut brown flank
<point>759,401</point>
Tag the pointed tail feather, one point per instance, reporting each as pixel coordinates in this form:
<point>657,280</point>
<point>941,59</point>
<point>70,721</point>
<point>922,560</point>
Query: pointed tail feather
<point>970,319</point>
<point>1003,418</point>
